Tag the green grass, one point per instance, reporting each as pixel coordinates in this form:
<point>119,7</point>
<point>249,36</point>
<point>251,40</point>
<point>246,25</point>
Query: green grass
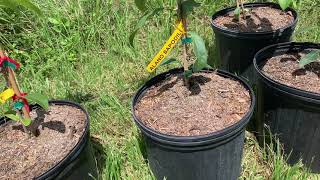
<point>81,53</point>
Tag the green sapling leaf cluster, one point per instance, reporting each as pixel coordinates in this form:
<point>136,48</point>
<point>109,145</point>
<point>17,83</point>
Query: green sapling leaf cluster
<point>239,10</point>
<point>14,112</point>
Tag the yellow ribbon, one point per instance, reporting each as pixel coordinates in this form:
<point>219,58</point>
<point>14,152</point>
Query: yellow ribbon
<point>166,49</point>
<point>5,95</point>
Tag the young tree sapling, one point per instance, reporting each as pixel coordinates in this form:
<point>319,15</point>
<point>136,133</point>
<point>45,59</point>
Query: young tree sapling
<point>183,9</point>
<point>19,109</point>
<point>241,10</point>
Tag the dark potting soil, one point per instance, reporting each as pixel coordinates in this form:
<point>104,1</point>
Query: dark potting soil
<point>285,69</point>
<point>258,19</point>
<point>211,104</point>
<point>23,157</point>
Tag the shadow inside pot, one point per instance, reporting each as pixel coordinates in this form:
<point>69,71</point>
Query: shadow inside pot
<point>250,24</point>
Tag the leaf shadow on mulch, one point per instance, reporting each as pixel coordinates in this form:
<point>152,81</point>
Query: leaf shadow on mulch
<point>250,24</point>
<point>38,122</point>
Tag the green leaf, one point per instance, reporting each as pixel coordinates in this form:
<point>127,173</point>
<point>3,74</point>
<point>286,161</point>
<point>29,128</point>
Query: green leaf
<point>284,4</point>
<point>27,4</point>
<point>12,4</point>
<point>10,111</point>
<point>8,4</point>
<point>142,21</point>
<point>200,52</point>
<point>188,6</point>
<point>4,4</point>
<point>26,122</point>
<point>13,117</point>
<point>141,5</point>
<point>237,12</point>
<point>168,61</point>
<point>39,99</point>
<point>309,58</point>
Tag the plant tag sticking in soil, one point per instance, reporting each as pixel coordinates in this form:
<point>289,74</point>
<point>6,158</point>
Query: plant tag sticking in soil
<point>166,49</point>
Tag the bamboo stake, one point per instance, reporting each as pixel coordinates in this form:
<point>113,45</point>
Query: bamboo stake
<point>12,82</point>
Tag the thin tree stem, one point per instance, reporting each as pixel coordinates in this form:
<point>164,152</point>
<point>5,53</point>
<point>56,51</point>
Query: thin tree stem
<point>24,128</point>
<point>238,6</point>
<point>242,10</point>
<point>185,59</point>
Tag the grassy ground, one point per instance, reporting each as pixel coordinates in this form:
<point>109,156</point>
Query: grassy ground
<point>81,53</point>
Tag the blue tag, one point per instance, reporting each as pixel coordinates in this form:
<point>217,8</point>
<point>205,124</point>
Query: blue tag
<point>186,40</point>
<point>18,105</point>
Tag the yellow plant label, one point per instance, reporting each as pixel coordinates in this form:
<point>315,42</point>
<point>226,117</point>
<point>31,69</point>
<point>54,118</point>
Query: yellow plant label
<point>166,49</point>
<point>5,95</point>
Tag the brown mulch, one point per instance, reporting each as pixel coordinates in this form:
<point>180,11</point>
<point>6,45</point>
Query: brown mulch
<point>211,104</point>
<point>285,69</point>
<point>23,157</point>
<point>259,19</point>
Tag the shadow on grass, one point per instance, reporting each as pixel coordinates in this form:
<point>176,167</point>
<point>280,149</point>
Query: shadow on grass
<point>80,97</point>
<point>100,155</point>
<point>142,147</point>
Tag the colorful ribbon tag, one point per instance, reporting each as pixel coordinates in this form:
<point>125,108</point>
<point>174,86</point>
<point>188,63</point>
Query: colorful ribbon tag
<point>18,105</point>
<point>7,62</point>
<point>166,49</point>
<point>186,40</point>
<point>5,95</point>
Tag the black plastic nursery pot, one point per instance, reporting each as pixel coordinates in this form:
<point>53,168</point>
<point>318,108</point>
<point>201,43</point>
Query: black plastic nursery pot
<point>80,163</point>
<point>237,49</point>
<point>292,115</point>
<point>214,156</point>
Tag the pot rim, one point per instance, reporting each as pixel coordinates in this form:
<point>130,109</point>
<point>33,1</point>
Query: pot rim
<point>266,4</point>
<point>220,135</point>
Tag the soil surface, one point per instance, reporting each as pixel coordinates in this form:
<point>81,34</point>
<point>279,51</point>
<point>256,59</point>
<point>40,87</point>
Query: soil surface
<point>258,19</point>
<point>285,69</point>
<point>23,157</point>
<point>212,103</point>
